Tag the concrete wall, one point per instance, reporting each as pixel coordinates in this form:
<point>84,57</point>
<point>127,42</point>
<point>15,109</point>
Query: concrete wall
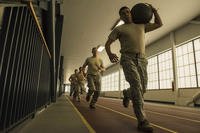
<point>115,94</point>
<point>112,69</point>
<point>185,95</point>
<point>166,95</point>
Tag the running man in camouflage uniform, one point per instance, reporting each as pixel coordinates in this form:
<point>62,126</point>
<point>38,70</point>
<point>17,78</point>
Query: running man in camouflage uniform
<point>133,61</point>
<point>74,85</point>
<point>95,66</point>
<point>81,80</point>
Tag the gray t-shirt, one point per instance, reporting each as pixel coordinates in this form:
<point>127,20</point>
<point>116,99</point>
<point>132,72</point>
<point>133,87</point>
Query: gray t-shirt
<point>131,37</point>
<point>94,65</point>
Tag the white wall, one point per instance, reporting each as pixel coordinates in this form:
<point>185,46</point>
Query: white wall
<point>169,95</point>
<point>115,94</point>
<point>187,33</point>
<point>182,35</point>
<point>160,95</point>
<point>166,95</point>
<point>158,46</point>
<point>112,69</point>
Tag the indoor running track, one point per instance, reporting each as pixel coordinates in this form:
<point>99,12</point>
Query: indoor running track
<point>111,117</point>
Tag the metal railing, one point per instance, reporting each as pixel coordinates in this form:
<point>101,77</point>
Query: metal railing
<point>25,66</point>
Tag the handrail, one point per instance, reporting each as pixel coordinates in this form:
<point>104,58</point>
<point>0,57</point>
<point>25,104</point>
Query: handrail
<point>25,67</point>
<point>30,5</point>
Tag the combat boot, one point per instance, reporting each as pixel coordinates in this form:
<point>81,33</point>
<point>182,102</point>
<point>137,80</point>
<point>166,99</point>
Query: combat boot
<point>79,100</point>
<point>92,106</point>
<point>87,98</point>
<point>126,98</point>
<point>145,127</point>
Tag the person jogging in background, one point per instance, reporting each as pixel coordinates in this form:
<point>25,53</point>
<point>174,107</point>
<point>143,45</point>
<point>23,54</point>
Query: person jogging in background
<point>81,80</point>
<point>74,84</point>
<point>95,67</point>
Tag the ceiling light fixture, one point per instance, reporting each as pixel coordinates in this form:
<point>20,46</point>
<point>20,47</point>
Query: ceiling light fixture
<point>118,22</point>
<point>100,48</point>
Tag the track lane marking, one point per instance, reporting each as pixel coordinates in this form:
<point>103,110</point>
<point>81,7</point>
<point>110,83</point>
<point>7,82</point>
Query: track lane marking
<point>183,112</point>
<point>129,116</point>
<point>165,106</point>
<point>177,117</point>
<point>89,127</point>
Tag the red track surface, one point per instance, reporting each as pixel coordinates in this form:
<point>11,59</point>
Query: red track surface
<point>111,117</point>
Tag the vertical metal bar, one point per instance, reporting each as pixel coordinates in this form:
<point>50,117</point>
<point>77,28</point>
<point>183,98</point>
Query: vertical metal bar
<point>31,85</point>
<point>38,89</point>
<point>19,61</point>
<point>195,63</point>
<point>18,83</point>
<point>38,81</point>
<point>52,23</point>
<point>23,72</point>
<point>35,72</point>
<point>27,70</point>
<point>16,58</point>
<point>6,37</point>
<point>47,77</point>
<point>1,65</point>
<point>158,72</point>
<point>119,78</point>
<point>177,93</point>
<point>20,78</point>
<point>24,67</point>
<point>37,53</point>
<point>7,63</point>
<point>10,65</point>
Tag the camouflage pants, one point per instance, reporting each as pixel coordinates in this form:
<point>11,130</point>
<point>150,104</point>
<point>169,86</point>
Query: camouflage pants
<point>81,85</point>
<point>135,71</point>
<point>72,88</point>
<point>94,85</point>
<point>76,92</point>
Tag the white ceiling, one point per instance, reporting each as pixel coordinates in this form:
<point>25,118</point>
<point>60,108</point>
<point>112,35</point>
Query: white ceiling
<point>87,24</point>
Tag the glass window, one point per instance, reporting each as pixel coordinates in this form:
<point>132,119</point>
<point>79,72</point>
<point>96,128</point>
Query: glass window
<point>160,67</point>
<point>103,83</point>
<point>165,69</point>
<point>197,57</point>
<point>110,82</point>
<point>116,81</point>
<point>67,88</point>
<point>152,70</point>
<point>186,66</point>
<point>197,54</point>
<point>124,83</point>
<point>197,44</point>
